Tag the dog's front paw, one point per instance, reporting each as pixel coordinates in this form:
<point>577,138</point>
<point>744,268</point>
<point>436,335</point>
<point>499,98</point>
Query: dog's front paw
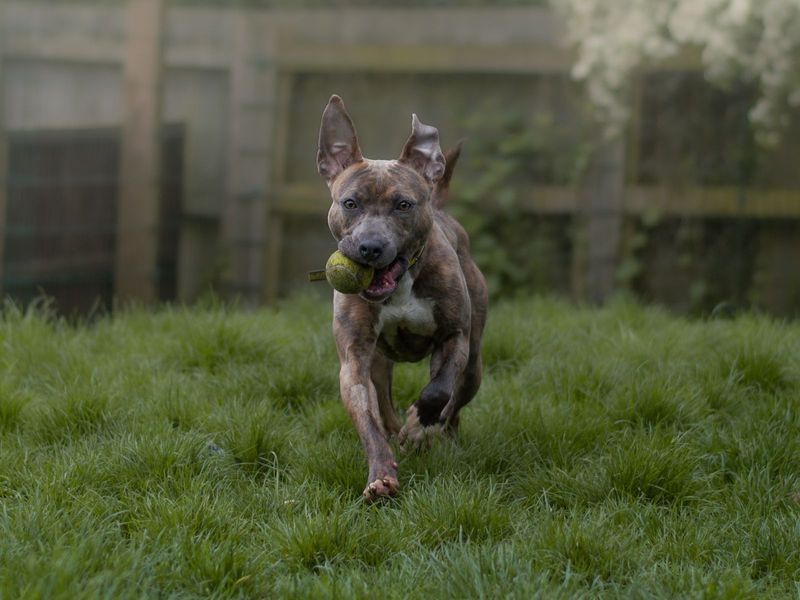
<point>385,487</point>
<point>382,484</point>
<point>414,435</point>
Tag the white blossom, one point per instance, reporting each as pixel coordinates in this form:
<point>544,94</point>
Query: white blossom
<point>755,41</point>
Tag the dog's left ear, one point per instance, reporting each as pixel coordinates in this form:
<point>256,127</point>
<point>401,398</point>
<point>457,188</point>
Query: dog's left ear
<point>422,151</point>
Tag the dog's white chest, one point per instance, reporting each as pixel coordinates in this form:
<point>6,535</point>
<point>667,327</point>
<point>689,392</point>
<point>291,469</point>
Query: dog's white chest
<point>407,311</point>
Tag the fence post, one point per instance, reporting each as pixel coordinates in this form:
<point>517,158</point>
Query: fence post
<point>250,153</point>
<point>136,261</point>
<point>3,157</point>
<point>596,255</point>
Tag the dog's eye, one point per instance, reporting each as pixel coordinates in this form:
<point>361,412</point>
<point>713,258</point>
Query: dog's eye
<point>403,205</point>
<point>349,204</point>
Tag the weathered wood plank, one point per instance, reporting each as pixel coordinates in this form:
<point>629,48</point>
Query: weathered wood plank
<point>449,58</point>
<point>136,260</point>
<point>196,38</point>
<point>599,224</point>
<point>3,156</point>
<point>108,52</point>
<point>420,40</point>
<point>724,201</point>
<point>311,199</point>
<point>273,248</point>
<point>250,157</point>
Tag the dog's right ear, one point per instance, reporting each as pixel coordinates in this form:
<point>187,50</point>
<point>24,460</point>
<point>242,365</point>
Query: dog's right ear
<point>338,143</point>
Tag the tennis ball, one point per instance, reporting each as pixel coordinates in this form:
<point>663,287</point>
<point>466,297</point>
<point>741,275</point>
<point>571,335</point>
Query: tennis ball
<point>346,275</point>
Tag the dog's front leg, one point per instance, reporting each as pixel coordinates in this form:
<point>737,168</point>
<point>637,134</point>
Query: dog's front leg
<point>361,401</point>
<point>431,412</point>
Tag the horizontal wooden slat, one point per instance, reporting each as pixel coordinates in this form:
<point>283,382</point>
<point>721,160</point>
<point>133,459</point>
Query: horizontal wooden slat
<point>61,50</point>
<point>528,58</point>
<point>312,200</point>
<point>375,39</point>
<point>714,201</point>
<point>301,199</point>
<point>53,265</point>
<point>106,52</point>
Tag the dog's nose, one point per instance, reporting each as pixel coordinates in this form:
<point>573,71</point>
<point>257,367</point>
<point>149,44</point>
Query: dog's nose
<point>370,250</point>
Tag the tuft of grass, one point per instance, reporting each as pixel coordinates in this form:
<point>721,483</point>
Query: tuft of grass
<point>458,510</point>
<point>204,452</point>
<point>657,470</point>
<point>12,403</point>
<point>762,371</point>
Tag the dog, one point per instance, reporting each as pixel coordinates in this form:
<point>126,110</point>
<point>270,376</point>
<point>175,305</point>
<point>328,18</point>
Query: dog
<point>427,297</point>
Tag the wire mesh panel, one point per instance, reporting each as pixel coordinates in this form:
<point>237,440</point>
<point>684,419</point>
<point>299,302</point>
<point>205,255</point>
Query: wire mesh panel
<point>60,225</point>
<point>61,217</point>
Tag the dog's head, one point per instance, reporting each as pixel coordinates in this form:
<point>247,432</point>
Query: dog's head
<point>382,210</point>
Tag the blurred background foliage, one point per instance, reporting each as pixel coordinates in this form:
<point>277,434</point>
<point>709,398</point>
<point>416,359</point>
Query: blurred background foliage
<point>505,155</point>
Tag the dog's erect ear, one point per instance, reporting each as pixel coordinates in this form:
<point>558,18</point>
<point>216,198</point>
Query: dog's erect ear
<point>422,151</point>
<point>338,143</point>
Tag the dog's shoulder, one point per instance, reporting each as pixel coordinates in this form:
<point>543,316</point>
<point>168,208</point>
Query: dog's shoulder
<point>453,231</point>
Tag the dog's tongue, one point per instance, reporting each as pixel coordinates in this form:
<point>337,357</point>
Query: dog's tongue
<point>385,280</point>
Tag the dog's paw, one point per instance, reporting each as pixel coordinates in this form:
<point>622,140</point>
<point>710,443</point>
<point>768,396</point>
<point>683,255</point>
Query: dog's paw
<point>382,481</point>
<point>416,436</point>
<point>382,487</point>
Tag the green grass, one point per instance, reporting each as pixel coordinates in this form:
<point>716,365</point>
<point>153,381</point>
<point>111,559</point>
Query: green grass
<point>615,452</point>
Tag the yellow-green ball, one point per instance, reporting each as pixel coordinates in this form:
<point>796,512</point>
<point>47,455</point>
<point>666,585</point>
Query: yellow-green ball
<point>346,275</point>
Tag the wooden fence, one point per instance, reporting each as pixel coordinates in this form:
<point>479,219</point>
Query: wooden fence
<point>258,56</point>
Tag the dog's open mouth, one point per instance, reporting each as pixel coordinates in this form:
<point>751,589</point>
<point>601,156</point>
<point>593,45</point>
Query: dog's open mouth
<point>384,282</point>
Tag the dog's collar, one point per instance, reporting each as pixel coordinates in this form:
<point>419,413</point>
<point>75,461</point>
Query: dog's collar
<point>415,259</point>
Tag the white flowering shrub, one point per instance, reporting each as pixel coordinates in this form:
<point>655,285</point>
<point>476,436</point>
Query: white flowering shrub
<point>756,41</point>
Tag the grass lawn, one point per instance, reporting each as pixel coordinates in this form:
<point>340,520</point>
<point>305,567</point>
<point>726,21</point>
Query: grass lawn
<point>619,452</point>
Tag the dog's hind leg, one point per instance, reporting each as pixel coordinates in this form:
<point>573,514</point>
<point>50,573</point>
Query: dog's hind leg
<point>381,374</point>
<point>471,378</point>
<point>427,416</point>
<point>467,388</point>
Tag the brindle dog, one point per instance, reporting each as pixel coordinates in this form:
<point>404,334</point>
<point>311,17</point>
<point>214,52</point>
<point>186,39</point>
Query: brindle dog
<point>427,296</point>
